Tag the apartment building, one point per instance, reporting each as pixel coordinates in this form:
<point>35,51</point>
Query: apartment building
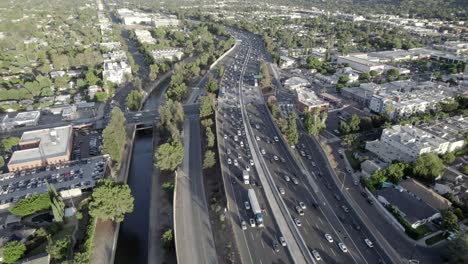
<point>144,36</point>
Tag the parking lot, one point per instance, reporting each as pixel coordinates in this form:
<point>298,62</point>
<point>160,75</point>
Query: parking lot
<point>76,174</point>
<point>86,143</point>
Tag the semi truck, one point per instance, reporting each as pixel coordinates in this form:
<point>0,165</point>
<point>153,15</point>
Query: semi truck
<point>246,177</point>
<point>255,207</point>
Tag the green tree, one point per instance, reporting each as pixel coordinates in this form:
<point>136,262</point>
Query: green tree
<point>464,169</point>
<point>206,107</point>
<point>353,123</point>
<point>313,63</point>
<point>13,251</point>
<point>58,249</point>
<point>364,76</point>
<point>2,161</point>
<point>134,100</point>
<point>373,73</point>
<point>169,155</point>
<point>212,86</point>
<point>154,70</point>
<point>428,166</point>
<point>209,159</point>
<point>349,140</point>
<point>393,74</point>
<point>9,142</point>
<point>314,123</point>
<point>449,220</point>
<point>101,96</point>
<point>396,171</point>
<point>56,203</point>
<point>177,92</point>
<point>455,251</point>
<point>168,239</point>
<point>210,137</point>
<point>449,158</point>
<point>91,78</point>
<point>32,204</point>
<point>81,258</point>
<point>111,200</point>
<point>344,128</point>
<point>266,77</point>
<point>343,79</point>
<point>138,84</point>
<point>114,135</point>
<point>171,113</point>
<point>292,135</point>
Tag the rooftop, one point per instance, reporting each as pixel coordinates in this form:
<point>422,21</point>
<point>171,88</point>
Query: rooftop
<point>427,195</point>
<point>53,142</point>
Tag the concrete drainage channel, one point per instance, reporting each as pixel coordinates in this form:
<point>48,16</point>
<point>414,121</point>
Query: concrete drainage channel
<point>298,250</point>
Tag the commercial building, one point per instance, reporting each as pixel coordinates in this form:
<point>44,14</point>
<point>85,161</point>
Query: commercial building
<point>130,17</point>
<point>407,143</point>
<point>160,20</point>
<point>167,54</point>
<point>144,36</point>
<point>295,83</point>
<point>361,64</point>
<point>30,118</point>
<point>115,71</point>
<point>307,101</point>
<point>42,147</point>
<point>286,62</point>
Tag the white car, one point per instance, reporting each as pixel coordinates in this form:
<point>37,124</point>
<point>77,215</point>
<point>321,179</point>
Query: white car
<point>343,247</point>
<point>368,243</point>
<point>297,221</point>
<point>225,136</point>
<point>229,161</point>
<point>244,225</point>
<point>228,151</point>
<point>252,162</point>
<point>236,163</point>
<point>252,222</point>
<point>263,151</point>
<point>316,255</point>
<point>302,205</point>
<point>247,205</point>
<point>281,190</point>
<point>247,167</point>
<point>329,238</point>
<point>286,178</point>
<point>313,164</point>
<point>275,157</point>
<point>282,241</point>
<point>257,138</point>
<point>295,181</point>
<point>276,139</point>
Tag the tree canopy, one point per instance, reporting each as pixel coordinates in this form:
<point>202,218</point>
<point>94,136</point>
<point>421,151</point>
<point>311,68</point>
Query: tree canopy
<point>134,100</point>
<point>32,204</point>
<point>114,135</point>
<point>13,251</point>
<point>9,142</point>
<point>428,166</point>
<point>456,250</point>
<point>111,200</point>
<point>169,155</point>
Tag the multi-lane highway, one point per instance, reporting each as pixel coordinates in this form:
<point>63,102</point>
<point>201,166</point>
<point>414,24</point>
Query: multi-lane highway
<point>249,138</point>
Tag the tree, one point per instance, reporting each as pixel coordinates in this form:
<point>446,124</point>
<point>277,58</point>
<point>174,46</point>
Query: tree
<point>56,203</point>
<point>100,97</point>
<point>9,142</point>
<point>464,169</point>
<point>138,84</point>
<point>344,128</point>
<point>210,137</point>
<point>313,63</point>
<point>353,123</point>
<point>348,140</point>
<point>169,155</point>
<point>32,204</point>
<point>168,239</point>
<point>455,251</point>
<point>114,135</point>
<point>449,220</point>
<point>58,249</point>
<point>343,79</point>
<point>449,158</point>
<point>396,171</point>
<point>2,161</point>
<point>171,113</point>
<point>91,78</point>
<point>428,166</point>
<point>313,123</point>
<point>292,135</point>
<point>134,100</point>
<point>154,70</point>
<point>111,200</point>
<point>364,76</point>
<point>177,92</point>
<point>209,159</point>
<point>373,73</point>
<point>212,86</point>
<point>13,251</point>
<point>393,74</point>
<point>206,107</point>
<point>81,258</point>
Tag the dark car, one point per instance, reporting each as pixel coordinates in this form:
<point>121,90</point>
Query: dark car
<point>276,246</point>
<point>315,205</point>
<point>369,200</point>
<point>364,194</point>
<point>356,226</point>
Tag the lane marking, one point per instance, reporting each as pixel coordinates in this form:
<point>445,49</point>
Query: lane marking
<point>333,251</point>
<point>320,219</point>
<point>322,246</point>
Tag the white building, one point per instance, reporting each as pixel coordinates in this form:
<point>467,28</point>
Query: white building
<point>295,83</point>
<point>165,21</point>
<point>30,118</point>
<point>286,62</point>
<point>115,71</point>
<point>167,54</point>
<point>406,143</point>
<point>361,64</point>
<point>144,36</point>
<point>92,90</point>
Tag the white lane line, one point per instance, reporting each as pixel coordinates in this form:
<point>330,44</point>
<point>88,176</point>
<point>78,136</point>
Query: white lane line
<point>305,230</point>
<point>322,246</point>
<point>251,234</point>
<point>263,244</point>
<point>316,226</point>
<point>333,251</point>
<point>307,221</point>
<point>320,219</point>
<point>260,261</point>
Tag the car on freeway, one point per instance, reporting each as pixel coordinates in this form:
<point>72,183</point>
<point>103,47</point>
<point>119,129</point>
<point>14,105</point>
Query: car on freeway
<point>276,138</point>
<point>257,138</point>
<point>263,151</point>
<point>229,161</point>
<point>364,194</point>
<point>252,162</point>
<point>343,247</point>
<point>286,178</point>
<point>337,197</point>
<point>368,243</point>
<point>313,164</point>
<point>299,210</point>
<point>252,222</point>
<point>356,225</point>
<point>309,157</point>
<point>328,185</point>
<point>236,163</point>
<point>345,208</point>
<point>302,153</point>
<point>329,238</point>
<point>247,205</point>
<point>276,245</point>
<point>297,221</point>
<point>302,205</point>
<point>316,255</point>
<point>275,157</point>
<point>247,167</point>
<point>282,241</point>
<point>225,136</point>
<point>281,190</point>
<point>243,225</point>
<point>295,181</point>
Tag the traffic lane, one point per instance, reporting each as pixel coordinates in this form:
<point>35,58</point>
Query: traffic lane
<point>282,150</point>
<point>252,236</point>
<point>330,197</point>
<point>313,233</point>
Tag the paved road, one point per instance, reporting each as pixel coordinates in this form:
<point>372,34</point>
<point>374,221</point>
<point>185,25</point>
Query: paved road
<point>193,234</point>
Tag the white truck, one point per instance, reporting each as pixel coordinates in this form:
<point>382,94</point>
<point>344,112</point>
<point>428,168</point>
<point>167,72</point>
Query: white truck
<point>246,177</point>
<point>256,207</point>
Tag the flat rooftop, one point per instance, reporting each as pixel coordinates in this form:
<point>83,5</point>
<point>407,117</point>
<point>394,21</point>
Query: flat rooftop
<point>53,142</point>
